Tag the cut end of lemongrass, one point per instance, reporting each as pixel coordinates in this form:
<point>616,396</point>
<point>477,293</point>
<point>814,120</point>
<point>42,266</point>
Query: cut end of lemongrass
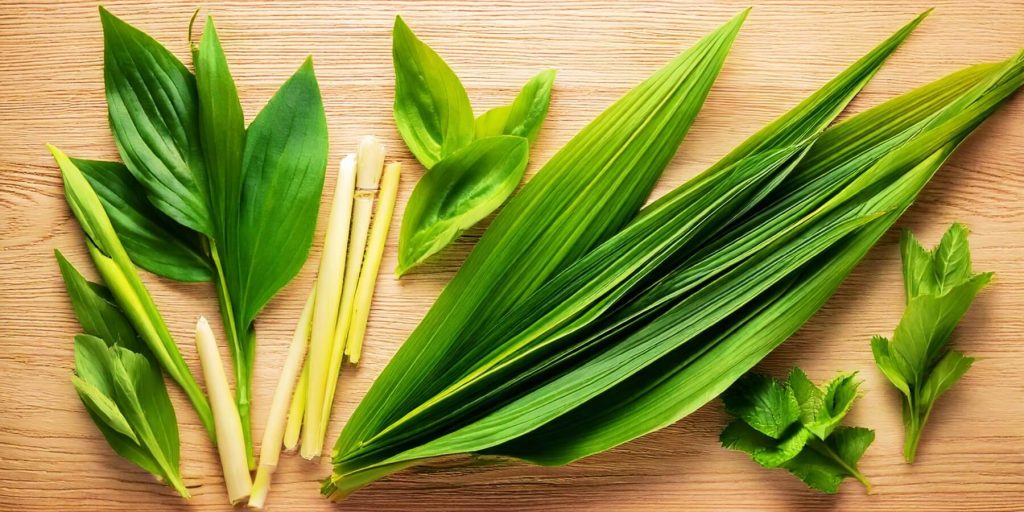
<point>369,162</point>
<point>261,487</point>
<point>231,443</point>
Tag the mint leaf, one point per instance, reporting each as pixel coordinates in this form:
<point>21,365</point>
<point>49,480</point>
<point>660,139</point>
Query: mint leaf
<point>795,425</point>
<point>940,287</point>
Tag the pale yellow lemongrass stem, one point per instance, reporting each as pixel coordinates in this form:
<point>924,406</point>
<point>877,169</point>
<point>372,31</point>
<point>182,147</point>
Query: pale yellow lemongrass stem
<point>296,411</point>
<point>227,423</point>
<point>369,164</point>
<point>371,265</point>
<point>270,447</point>
<point>325,308</point>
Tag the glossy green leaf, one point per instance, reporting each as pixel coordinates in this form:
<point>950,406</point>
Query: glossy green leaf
<point>531,106</point>
<point>95,309</point>
<point>152,106</point>
<point>524,116</point>
<point>222,133</point>
<point>432,110</point>
<point>940,287</point>
<point>152,239</point>
<point>763,403</point>
<point>457,193</point>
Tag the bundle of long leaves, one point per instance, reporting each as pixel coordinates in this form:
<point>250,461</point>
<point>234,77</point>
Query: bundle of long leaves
<point>200,196</point>
<point>579,323</point>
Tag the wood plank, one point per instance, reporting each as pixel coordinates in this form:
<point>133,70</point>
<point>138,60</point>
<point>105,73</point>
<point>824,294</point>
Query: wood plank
<point>51,457</point>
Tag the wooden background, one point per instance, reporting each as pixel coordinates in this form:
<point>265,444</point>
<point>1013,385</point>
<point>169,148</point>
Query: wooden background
<point>51,90</point>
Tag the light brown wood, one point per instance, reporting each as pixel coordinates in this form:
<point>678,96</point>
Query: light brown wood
<point>51,90</point>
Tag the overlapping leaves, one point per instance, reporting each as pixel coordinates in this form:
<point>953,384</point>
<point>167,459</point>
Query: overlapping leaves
<point>795,425</point>
<point>940,287</point>
<point>473,165</point>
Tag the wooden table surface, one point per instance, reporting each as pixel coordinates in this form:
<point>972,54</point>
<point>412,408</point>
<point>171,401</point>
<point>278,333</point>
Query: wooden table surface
<point>51,90</point>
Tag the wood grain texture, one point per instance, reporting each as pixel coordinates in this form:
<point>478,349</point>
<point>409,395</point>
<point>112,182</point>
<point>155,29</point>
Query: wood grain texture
<point>51,90</point>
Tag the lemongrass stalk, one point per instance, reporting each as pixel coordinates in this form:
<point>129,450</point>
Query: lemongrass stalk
<point>296,411</point>
<point>369,164</point>
<point>270,448</point>
<point>371,265</point>
<point>231,445</point>
<point>325,308</point>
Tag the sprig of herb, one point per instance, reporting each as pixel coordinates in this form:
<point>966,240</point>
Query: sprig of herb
<point>940,287</point>
<point>473,166</point>
<point>795,425</point>
<point>119,382</point>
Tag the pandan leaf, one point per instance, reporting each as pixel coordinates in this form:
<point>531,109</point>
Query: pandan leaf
<point>583,195</point>
<point>457,193</point>
<point>152,105</point>
<point>152,240</point>
<point>432,110</point>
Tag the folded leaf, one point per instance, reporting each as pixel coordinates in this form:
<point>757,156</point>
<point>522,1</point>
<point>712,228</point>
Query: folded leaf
<point>96,311</point>
<point>152,104</point>
<point>457,193</point>
<point>432,110</point>
<point>153,240</point>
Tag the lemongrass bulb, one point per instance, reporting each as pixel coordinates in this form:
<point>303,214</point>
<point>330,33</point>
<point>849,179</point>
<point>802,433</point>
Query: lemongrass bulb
<point>231,444</point>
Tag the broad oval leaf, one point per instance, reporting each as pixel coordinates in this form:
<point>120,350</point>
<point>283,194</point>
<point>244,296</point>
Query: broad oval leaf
<point>284,164</point>
<point>153,240</point>
<point>153,112</point>
<point>457,193</point>
<point>432,110</point>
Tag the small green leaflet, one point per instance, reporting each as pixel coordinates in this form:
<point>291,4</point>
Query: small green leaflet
<point>940,287</point>
<point>467,178</point>
<point>794,425</point>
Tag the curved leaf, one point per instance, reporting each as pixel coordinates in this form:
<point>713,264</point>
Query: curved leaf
<point>152,106</point>
<point>432,110</point>
<point>96,311</point>
<point>457,193</point>
<point>531,106</point>
<point>492,122</point>
<point>284,164</point>
<point>153,240</point>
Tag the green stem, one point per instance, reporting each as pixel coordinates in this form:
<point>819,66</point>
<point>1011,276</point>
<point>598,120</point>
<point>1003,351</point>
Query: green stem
<point>241,357</point>
<point>914,423</point>
<point>824,449</point>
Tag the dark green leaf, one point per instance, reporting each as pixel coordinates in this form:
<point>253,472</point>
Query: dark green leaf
<point>152,105</point>
<point>457,193</point>
<point>96,311</point>
<point>763,403</point>
<point>154,241</point>
<point>284,164</point>
<point>432,110</point>
<point>222,131</point>
<point>826,465</point>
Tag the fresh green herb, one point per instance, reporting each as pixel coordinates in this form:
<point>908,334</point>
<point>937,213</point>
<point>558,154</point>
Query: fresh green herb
<point>245,200</point>
<point>588,350</point>
<point>470,171</point>
<point>126,289</point>
<point>794,425</point>
<point>940,287</point>
<point>120,384</point>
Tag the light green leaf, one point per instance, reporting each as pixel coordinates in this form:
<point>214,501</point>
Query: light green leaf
<point>764,404</point>
<point>530,107</point>
<point>492,122</point>
<point>946,372</point>
<point>457,193</point>
<point>152,239</point>
<point>432,110</point>
<point>826,465</point>
<point>152,104</point>
<point>103,407</point>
